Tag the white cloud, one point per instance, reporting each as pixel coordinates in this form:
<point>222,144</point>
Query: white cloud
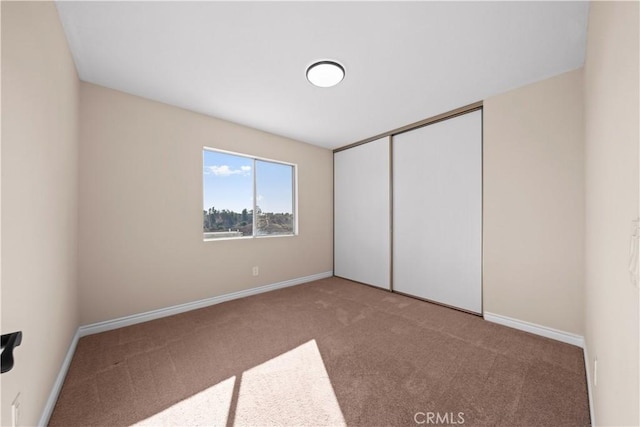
<point>225,170</point>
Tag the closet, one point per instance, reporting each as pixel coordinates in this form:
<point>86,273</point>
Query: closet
<point>408,210</point>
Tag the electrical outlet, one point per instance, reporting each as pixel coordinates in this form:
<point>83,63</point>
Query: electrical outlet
<point>256,271</point>
<point>595,372</point>
<point>15,411</point>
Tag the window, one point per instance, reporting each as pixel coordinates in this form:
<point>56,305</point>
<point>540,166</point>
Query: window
<point>237,186</point>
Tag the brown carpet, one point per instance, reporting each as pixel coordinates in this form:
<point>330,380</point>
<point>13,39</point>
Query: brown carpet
<point>324,353</point>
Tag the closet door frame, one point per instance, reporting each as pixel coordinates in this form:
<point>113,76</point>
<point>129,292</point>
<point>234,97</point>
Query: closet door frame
<point>428,121</point>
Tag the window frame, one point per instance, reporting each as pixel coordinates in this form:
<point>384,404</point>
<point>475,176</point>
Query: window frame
<point>294,194</point>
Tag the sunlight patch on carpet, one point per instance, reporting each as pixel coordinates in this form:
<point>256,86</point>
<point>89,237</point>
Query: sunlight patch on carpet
<point>291,389</point>
<point>210,407</point>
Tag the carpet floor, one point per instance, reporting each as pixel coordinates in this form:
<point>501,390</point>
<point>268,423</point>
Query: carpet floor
<point>330,352</point>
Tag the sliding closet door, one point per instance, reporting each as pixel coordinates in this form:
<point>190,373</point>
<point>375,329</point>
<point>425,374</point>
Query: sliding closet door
<point>362,219</point>
<point>437,212</point>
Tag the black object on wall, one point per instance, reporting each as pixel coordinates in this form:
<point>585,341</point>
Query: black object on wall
<point>9,342</point>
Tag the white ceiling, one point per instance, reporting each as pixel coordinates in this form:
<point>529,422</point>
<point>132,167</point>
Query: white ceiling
<point>246,61</point>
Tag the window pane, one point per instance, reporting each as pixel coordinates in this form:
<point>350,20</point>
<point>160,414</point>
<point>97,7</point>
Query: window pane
<point>228,195</point>
<point>274,199</point>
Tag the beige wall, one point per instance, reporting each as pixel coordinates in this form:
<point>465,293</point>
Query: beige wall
<point>533,204</point>
<point>612,137</point>
<point>39,201</point>
<point>141,242</point>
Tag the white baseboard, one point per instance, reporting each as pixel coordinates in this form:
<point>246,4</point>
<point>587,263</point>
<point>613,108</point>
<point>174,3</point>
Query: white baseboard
<point>57,385</point>
<point>151,315</point>
<point>121,322</point>
<point>587,368</point>
<point>554,334</point>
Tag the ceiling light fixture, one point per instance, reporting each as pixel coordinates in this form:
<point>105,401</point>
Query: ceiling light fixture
<point>325,73</point>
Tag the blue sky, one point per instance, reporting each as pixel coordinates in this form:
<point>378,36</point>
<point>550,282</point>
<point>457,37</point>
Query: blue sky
<point>228,183</point>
